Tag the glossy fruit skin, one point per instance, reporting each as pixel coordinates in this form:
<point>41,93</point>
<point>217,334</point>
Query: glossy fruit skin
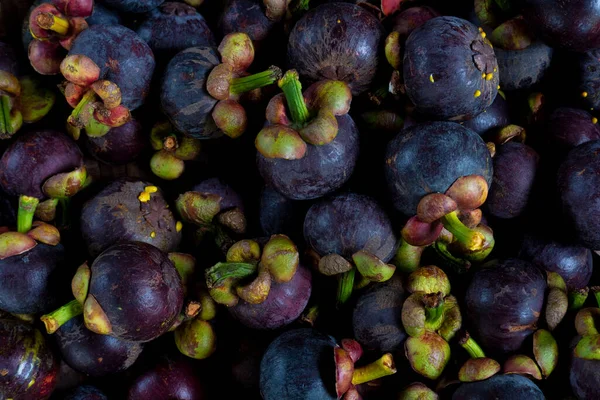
<point>8,59</point>
<point>103,16</point>
<point>572,262</point>
<point>120,145</point>
<point>584,376</point>
<point>285,303</point>
<point>116,214</point>
<point>295,367</point>
<point>513,387</point>
<point>93,354</point>
<point>495,116</point>
<point>278,214</point>
<point>348,223</point>
<point>246,16</point>
<point>578,183</point>
<point>411,18</point>
<point>322,170</point>
<point>509,294</point>
<point>172,27</point>
<point>33,158</point>
<point>451,52</point>
<point>338,41</point>
<point>428,157</point>
<point>521,69</point>
<point>184,98</point>
<point>34,281</point>
<point>123,58</point>
<point>85,392</point>
<point>377,317</point>
<point>570,127</point>
<point>515,167</point>
<point>27,360</point>
<point>572,25</point>
<point>229,197</point>
<point>169,379</point>
<point>133,6</point>
<point>139,290</point>
<point>589,76</point>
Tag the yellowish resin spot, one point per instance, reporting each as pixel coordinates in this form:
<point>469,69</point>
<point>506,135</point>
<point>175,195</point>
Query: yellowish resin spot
<point>489,77</point>
<point>477,93</point>
<point>151,189</point>
<point>144,197</point>
<point>431,78</point>
<point>178,226</point>
<point>152,234</point>
<point>584,94</point>
<point>498,87</point>
<point>483,35</point>
<point>594,120</point>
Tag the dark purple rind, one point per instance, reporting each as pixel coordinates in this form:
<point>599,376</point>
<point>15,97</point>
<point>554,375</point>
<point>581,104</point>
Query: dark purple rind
<point>169,379</point>
<point>85,392</point>
<point>515,168</point>
<point>578,185</point>
<point>299,365</point>
<point>184,98</point>
<point>120,145</point>
<point>115,215</point>
<point>33,158</point>
<point>495,116</point>
<point>284,304</point>
<point>377,317</point>
<point>571,25</point>
<point>123,58</point>
<point>570,127</point>
<point>277,213</point>
<point>589,78</point>
<point>101,15</point>
<point>584,376</point>
<point>513,387</point>
<point>348,223</point>
<point>139,290</point>
<point>411,18</point>
<point>322,170</point>
<point>573,263</point>
<point>133,6</point>
<point>428,157</point>
<point>33,282</point>
<point>29,368</point>
<point>521,69</point>
<point>93,354</point>
<point>247,16</point>
<point>442,48</point>
<point>8,59</point>
<point>338,41</point>
<point>506,296</point>
<point>173,27</point>
<point>229,197</point>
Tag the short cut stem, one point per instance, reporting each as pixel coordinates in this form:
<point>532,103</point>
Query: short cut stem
<point>255,81</point>
<point>471,346</point>
<point>408,257</point>
<point>74,119</point>
<point>57,318</point>
<point>471,239</point>
<point>292,90</point>
<point>223,271</point>
<point>27,206</point>
<point>378,369</point>
<point>5,125</point>
<point>54,23</point>
<point>577,298</point>
<point>345,287</point>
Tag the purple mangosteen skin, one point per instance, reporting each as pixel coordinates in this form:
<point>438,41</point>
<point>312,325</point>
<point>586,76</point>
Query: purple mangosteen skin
<point>121,145</point>
<point>513,387</point>
<point>33,282</point>
<point>521,69</point>
<point>428,157</point>
<point>338,41</point>
<point>8,59</point>
<point>584,376</point>
<point>85,392</point>
<point>247,16</point>
<point>589,75</point>
<point>138,288</point>
<point>93,354</point>
<point>504,302</point>
<point>116,214</point>
<point>321,171</point>
<point>285,303</point>
<point>348,223</point>
<point>133,6</point>
<point>277,213</point>
<point>495,116</point>
<point>101,15</point>
<point>229,197</point>
<point>123,58</point>
<point>33,158</point>
<point>411,18</point>
<point>570,127</point>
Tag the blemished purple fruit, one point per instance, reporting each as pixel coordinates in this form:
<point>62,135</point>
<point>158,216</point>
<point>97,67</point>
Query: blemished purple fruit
<point>411,18</point>
<point>101,15</point>
<point>321,171</point>
<point>33,158</point>
<point>133,6</point>
<point>85,392</point>
<point>584,376</point>
<point>495,116</point>
<point>578,185</point>
<point>515,168</point>
<point>229,197</point>
<point>588,77</point>
<point>283,305</point>
<point>503,302</point>
<point>447,63</point>
<point>120,145</point>
<point>338,41</point>
<point>521,69</point>
<point>570,127</point>
<point>29,367</point>
<point>278,214</point>
<point>168,379</point>
<point>246,16</point>
<point>116,214</point>
<point>572,262</point>
<point>513,386</point>
<point>428,157</point>
<point>172,27</point>
<point>348,223</point>
<point>93,354</point>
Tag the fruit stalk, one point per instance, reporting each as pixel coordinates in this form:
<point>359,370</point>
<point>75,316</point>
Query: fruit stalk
<point>292,90</point>
<point>471,239</point>
<point>57,318</point>
<point>255,81</point>
<point>378,369</point>
<point>54,23</point>
<point>345,286</point>
<point>27,206</point>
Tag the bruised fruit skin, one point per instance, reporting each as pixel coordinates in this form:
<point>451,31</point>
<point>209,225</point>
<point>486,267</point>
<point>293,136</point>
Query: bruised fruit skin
<point>284,304</point>
<point>511,386</point>
<point>139,290</point>
<point>29,367</point>
<point>168,379</point>
<point>322,170</point>
<point>94,354</point>
<point>450,70</point>
<point>584,376</point>
<point>246,16</point>
<point>33,158</point>
<point>133,6</point>
<point>120,145</point>
<point>428,158</point>
<point>570,127</point>
<point>117,214</point>
<point>337,41</point>
<point>504,302</point>
<point>521,69</point>
<point>495,116</point>
<point>348,223</point>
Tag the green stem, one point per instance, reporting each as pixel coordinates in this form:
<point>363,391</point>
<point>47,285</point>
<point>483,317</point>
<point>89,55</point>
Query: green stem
<point>471,239</point>
<point>345,286</point>
<point>292,90</point>
<point>577,298</point>
<point>57,318</point>
<point>471,346</point>
<point>74,117</point>
<point>5,125</point>
<point>434,310</point>
<point>27,206</point>
<point>459,265</point>
<point>255,81</point>
<point>376,370</point>
<point>408,257</point>
<point>596,291</point>
<point>223,271</point>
